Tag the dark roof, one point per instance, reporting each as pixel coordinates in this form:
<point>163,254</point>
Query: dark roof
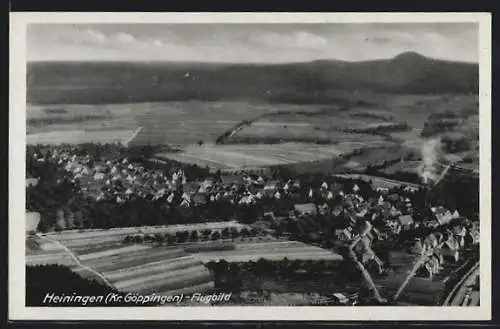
<point>200,199</point>
<point>230,179</point>
<point>406,220</point>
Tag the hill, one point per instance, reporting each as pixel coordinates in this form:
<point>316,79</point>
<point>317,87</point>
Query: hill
<point>311,82</point>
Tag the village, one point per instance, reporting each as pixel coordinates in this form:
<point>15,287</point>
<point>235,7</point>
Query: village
<point>363,223</point>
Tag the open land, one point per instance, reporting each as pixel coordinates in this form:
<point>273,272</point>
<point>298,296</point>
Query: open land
<point>146,268</point>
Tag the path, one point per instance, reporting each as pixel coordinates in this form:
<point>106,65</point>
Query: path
<point>77,261</point>
<point>459,292</point>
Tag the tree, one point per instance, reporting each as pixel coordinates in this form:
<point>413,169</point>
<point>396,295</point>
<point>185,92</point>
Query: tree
<point>225,232</point>
<point>194,235</point>
<point>159,237</point>
<point>234,232</point>
<point>206,233</point>
<point>200,142</point>
<point>216,235</point>
<point>245,232</point>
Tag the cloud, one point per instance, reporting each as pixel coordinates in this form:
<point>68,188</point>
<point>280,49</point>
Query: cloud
<point>256,43</point>
<point>295,40</point>
<point>124,38</point>
<point>83,36</point>
<point>380,40</point>
<point>157,43</point>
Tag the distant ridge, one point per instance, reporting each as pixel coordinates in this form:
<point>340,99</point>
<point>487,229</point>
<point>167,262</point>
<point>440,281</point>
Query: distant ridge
<point>316,81</point>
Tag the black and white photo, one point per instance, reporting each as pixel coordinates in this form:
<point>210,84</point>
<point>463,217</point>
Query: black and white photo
<point>327,163</point>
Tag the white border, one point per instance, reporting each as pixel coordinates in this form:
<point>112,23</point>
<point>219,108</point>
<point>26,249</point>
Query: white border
<point>17,147</point>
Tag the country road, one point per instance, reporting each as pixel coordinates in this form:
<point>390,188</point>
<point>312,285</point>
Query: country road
<point>460,294</point>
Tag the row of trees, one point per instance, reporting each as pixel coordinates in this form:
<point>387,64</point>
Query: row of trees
<point>192,236</point>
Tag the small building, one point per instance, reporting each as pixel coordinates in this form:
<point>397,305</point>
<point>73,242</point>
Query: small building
<point>31,181</point>
<point>382,190</point>
<point>340,298</point>
<point>417,247</point>
<point>232,179</point>
<point>344,234</point>
<point>271,186</point>
<point>306,208</point>
<point>450,250</point>
<point>410,189</point>
<point>406,221</point>
<point>200,199</point>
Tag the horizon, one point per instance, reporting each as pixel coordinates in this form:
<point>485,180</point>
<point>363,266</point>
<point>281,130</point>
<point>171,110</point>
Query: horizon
<point>252,63</point>
<point>268,43</point>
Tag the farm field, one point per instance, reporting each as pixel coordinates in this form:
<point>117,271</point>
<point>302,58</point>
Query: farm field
<point>407,166</point>
<point>250,156</point>
<point>270,250</point>
<point>147,268</point>
<point>184,123</point>
<point>79,136</point>
<point>378,182</point>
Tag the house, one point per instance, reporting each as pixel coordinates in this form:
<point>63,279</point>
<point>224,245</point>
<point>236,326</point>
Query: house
<point>450,250</point>
<point>382,190</point>
<point>393,197</point>
<point>337,210</point>
<point>32,220</point>
<point>98,176</point>
<point>410,189</point>
<point>199,199</point>
<point>430,242</point>
<point>395,212</point>
<point>340,298</point>
<point>379,235</point>
<point>406,221</point>
<point>417,247</point>
<point>306,208</point>
<point>229,180</point>
<point>271,186</point>
<point>344,234</point>
<point>31,182</point>
<point>324,209</point>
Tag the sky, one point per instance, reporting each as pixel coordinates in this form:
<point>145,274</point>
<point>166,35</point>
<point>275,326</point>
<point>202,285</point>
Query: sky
<point>250,43</point>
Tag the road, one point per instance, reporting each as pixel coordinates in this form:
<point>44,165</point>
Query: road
<point>460,295</point>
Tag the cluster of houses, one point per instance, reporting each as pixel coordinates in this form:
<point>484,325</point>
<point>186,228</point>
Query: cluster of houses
<point>119,180</point>
<point>445,246</point>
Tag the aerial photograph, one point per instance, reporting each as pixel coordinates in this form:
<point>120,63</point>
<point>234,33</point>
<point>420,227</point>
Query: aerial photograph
<point>246,164</point>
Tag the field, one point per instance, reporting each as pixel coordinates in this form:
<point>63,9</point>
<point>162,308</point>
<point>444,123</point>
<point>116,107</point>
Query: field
<point>378,182</point>
<point>251,156</point>
<point>147,268</point>
<point>79,137</point>
<point>268,134</point>
<point>270,250</point>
